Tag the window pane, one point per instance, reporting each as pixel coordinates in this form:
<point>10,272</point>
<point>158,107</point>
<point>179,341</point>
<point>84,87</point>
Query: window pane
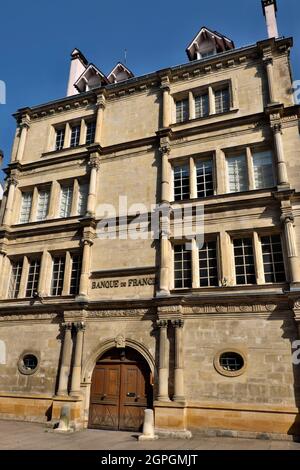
<point>182,110</point>
<point>273,259</point>
<point>82,199</point>
<point>263,170</point>
<point>181,182</point>
<point>60,137</point>
<point>15,279</point>
<point>66,201</point>
<point>33,277</point>
<point>43,204</point>
<point>75,136</point>
<point>75,274</point>
<point>222,100</point>
<point>201,106</point>
<point>58,275</point>
<point>26,207</point>
<point>90,132</point>
<point>208,257</point>
<point>237,174</point>
<point>244,263</point>
<point>205,184</point>
<point>182,267</point>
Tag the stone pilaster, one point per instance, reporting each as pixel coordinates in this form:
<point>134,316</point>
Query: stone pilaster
<point>87,243</point>
<point>179,366</point>
<point>268,62</point>
<point>101,103</point>
<point>8,214</point>
<point>291,247</point>
<point>76,371</point>
<point>282,177</point>
<point>166,112</point>
<point>24,127</point>
<point>163,370</point>
<point>65,360</point>
<point>94,164</point>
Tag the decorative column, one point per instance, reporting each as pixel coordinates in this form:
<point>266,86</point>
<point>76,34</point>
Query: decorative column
<point>212,103</point>
<point>166,103</point>
<point>101,103</point>
<point>268,62</point>
<point>191,106</point>
<point>65,360</point>
<point>195,264</point>
<point>43,286</point>
<point>76,371</point>
<point>163,371</point>
<point>282,178</point>
<point>291,247</point>
<point>85,269</point>
<point>94,165</point>
<point>12,184</point>
<point>164,283</point>
<point>179,371</point>
<point>193,179</point>
<point>24,126</point>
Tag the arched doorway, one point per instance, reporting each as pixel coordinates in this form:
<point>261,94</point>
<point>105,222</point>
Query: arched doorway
<point>121,390</point>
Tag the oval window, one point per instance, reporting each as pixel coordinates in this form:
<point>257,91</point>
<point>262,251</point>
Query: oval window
<point>230,363</point>
<point>28,364</point>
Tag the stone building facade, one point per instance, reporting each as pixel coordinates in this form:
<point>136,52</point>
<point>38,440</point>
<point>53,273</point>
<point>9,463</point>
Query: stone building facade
<point>209,329</point>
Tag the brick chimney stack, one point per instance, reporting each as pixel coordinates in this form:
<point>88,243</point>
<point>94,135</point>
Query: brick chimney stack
<point>270,9</point>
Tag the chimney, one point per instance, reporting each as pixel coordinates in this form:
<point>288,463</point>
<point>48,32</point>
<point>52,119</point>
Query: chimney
<point>78,65</point>
<point>270,9</point>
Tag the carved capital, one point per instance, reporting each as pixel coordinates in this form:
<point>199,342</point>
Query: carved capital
<point>267,60</point>
<point>80,326</point>
<point>178,323</point>
<point>287,218</point>
<point>277,128</point>
<point>165,149</point>
<point>94,161</point>
<point>87,241</point>
<point>67,325</point>
<point>162,323</point>
<point>12,180</point>
<point>101,101</point>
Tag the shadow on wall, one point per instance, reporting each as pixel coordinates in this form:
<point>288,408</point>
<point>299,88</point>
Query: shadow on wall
<point>290,332</point>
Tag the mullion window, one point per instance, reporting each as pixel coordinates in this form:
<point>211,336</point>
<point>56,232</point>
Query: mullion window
<point>33,277</point>
<point>82,198</point>
<point>75,274</point>
<point>208,265</point>
<point>181,182</point>
<point>273,259</point>
<point>182,110</point>
<point>75,136</point>
<point>222,100</point>
<point>182,267</point>
<point>237,173</point>
<point>15,279</point>
<point>201,106</point>
<point>26,207</point>
<point>58,275</point>
<point>66,201</point>
<point>244,261</point>
<point>263,170</point>
<point>43,204</point>
<point>90,132</point>
<point>60,138</point>
<point>205,184</point>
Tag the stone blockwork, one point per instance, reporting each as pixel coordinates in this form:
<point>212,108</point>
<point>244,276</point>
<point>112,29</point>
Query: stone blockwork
<point>69,295</point>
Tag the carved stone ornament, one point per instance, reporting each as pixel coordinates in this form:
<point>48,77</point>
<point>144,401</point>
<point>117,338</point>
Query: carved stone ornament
<point>120,342</point>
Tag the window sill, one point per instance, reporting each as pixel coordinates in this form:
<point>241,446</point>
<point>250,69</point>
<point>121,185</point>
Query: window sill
<point>232,289</point>
<point>205,118</point>
<point>264,192</point>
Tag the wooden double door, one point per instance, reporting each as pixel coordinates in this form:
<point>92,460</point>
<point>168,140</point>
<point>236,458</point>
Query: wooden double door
<point>120,391</point>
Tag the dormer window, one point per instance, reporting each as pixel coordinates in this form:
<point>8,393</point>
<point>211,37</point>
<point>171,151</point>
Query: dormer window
<point>208,43</point>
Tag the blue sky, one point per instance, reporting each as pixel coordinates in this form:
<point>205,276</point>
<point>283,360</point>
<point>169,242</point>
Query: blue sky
<point>36,38</point>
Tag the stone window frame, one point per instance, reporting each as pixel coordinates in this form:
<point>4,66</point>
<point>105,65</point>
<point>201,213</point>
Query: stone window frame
<point>67,127</point>
<point>209,89</point>
<point>227,373</point>
<point>249,150</point>
<point>20,362</point>
<point>191,162</point>
<point>68,266</point>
